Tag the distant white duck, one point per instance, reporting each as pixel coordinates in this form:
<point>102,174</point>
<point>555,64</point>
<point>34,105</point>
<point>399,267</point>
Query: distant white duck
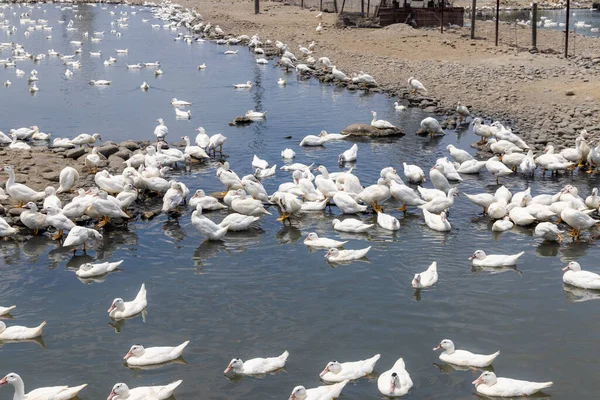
<point>415,85</point>
<point>17,332</point>
<point>388,222</point>
<point>396,381</point>
<point>281,82</point>
<point>144,86</point>
<point>574,276</point>
<point>121,391</point>
<point>80,235</point>
<point>332,136</point>
<point>327,392</point>
<point>463,112</point>
<point>348,155</point>
<point>503,225</point>
<point>173,197</point>
<point>459,155</point>
<point>335,255</point>
<point>489,385</point>
<point>437,222</point>
<point>216,141</point>
<point>577,220</point>
<point>313,240</point>
<point>183,114</point>
<point>138,356</point>
<point>350,225</point>
<point>288,153</point>
<point>238,222</point>
<point>480,259</point>
<point>207,227</point>
<point>196,152</point>
<point>55,392</point>
<point>5,231</point>
<point>437,178</point>
<point>32,218</point>
<point>246,205</point>
<point>347,204</point>
<point>427,278</point>
<point>86,139</point>
<point>288,203</point>
<point>380,124</point>
<point>464,358</point>
<point>56,219</point>
<point>399,107</point>
<point>432,126</point>
<point>548,231</point>
<point>100,82</point>
<point>313,140</point>
<point>161,130</point>
<point>6,310</point>
<point>247,85</point>
<point>255,114</point>
<point>338,372</point>
<point>257,366</point>
<point>89,270</point>
<point>593,200</point>
<point>482,130</point>
<point>497,168</point>
<point>120,309</point>
<point>375,194</point>
<point>413,173</point>
<point>180,103</point>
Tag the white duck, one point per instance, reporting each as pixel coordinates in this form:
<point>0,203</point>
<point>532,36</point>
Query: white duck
<point>375,194</point>
<point>497,168</point>
<point>288,154</point>
<point>246,205</point>
<point>207,227</point>
<point>92,161</point>
<point>259,163</point>
<point>5,231</point>
<point>388,222</point>
<point>161,130</point>
<point>350,225</point>
<point>106,208</point>
<point>577,220</point>
<point>347,204</point>
<point>463,112</point>
<point>196,152</point>
<point>122,392</point>
<point>427,278</point>
<point>593,200</point>
<point>54,392</point>
<point>325,183</point>
<point>437,222</point>
<point>6,310</point>
<point>489,385</point>
<point>437,178</point>
<point>413,173</point>
<point>238,222</point>
<point>173,197</point>
<point>464,358</point>
<point>138,356</point>
<point>548,231</point>
<point>80,235</point>
<point>257,366</point>
<point>17,332</point>
<point>335,255</point>
<point>120,309</point>
<point>327,392</point>
<point>86,138</point>
<point>348,155</point>
<point>574,276</point>
<point>32,218</point>
<point>480,259</point>
<point>396,381</point>
<point>399,107</point>
<point>503,225</point>
<point>338,372</point>
<point>255,114</point>
<point>313,140</point>
<point>482,200</point>
<point>470,167</point>
<point>459,155</point>
<point>440,204</point>
<point>415,85</point>
<point>208,203</point>
<point>67,179</point>
<point>247,85</point>
<point>89,270</point>
<point>432,126</point>
<point>405,195</point>
<point>128,196</point>
<point>180,103</point>
<point>380,124</point>
<point>18,191</point>
<point>313,240</point>
<point>56,219</point>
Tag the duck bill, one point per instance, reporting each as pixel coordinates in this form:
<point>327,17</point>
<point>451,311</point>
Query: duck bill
<point>229,368</point>
<point>111,395</point>
<point>325,371</point>
<point>565,268</point>
<point>477,381</point>
<point>437,347</point>
<point>472,257</point>
<point>128,355</point>
<point>112,307</point>
<point>292,397</point>
<point>392,387</point>
<point>4,381</point>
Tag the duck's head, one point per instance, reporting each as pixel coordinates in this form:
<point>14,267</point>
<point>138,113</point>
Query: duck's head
<point>97,136</point>
<point>299,393</point>
<point>117,304</point>
<point>50,210</point>
<point>333,252</point>
<point>200,130</point>
<point>323,133</point>
<point>136,351</point>
<point>31,205</point>
<point>11,378</point>
<point>50,191</point>
<point>479,254</point>
<point>394,382</point>
<point>416,280</point>
<point>86,266</point>
<point>445,344</point>
<point>311,236</point>
<point>234,364</point>
<point>487,378</point>
<point>333,366</point>
<point>198,194</point>
<point>120,390</point>
<point>335,221</point>
<point>572,266</point>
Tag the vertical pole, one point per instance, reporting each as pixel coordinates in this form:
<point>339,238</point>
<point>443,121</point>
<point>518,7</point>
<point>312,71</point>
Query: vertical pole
<point>442,21</point>
<point>320,5</point>
<point>301,3</point>
<point>256,6</point>
<point>498,19</point>
<point>473,19</point>
<point>534,28</point>
<point>362,7</point>
<point>335,8</point>
<point>567,29</point>
<point>368,7</point>
<point>343,4</point>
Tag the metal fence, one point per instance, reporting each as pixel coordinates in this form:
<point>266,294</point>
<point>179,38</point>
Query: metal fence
<point>366,6</point>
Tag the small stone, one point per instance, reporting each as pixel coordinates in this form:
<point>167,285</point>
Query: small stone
<point>123,153</point>
<point>108,149</point>
<point>52,176</point>
<point>147,215</point>
<point>569,93</point>
<point>75,153</point>
<point>15,211</point>
<point>130,145</point>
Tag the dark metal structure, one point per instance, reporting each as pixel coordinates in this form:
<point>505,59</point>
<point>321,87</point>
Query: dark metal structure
<point>420,13</point>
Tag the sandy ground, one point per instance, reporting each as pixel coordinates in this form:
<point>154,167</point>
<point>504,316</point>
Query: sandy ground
<point>505,82</point>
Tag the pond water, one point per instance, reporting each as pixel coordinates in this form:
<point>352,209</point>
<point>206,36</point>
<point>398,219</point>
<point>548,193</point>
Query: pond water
<point>552,19</point>
<point>260,292</point>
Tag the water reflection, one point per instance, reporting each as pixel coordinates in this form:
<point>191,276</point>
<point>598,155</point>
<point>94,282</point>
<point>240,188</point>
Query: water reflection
<point>578,295</point>
<point>118,325</point>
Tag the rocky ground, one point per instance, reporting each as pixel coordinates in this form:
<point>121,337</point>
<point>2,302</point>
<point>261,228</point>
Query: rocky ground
<point>543,96</point>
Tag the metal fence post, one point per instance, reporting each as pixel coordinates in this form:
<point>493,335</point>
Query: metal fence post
<point>567,29</point>
<point>442,21</point>
<point>473,19</point>
<point>534,28</point>
<point>256,6</point>
<point>498,19</point>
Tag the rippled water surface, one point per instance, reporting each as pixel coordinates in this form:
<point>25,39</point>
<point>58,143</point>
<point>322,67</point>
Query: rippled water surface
<point>260,292</point>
